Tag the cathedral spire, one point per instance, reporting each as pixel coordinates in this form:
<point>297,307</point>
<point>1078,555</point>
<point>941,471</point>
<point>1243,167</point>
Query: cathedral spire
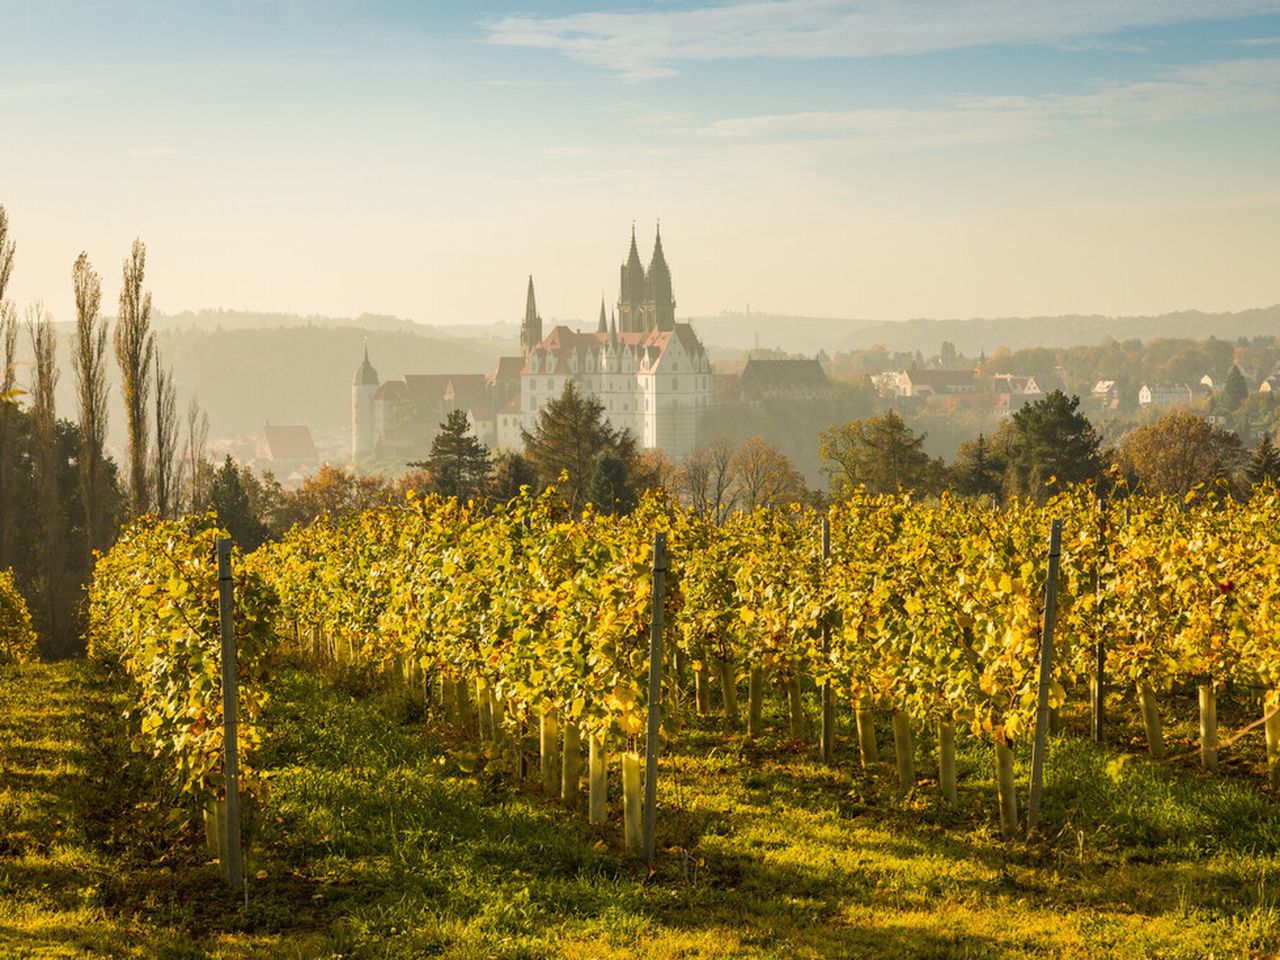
<point>658,281</point>
<point>604,325</point>
<point>531,328</point>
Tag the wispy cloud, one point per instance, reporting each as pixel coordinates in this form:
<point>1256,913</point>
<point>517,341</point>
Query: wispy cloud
<point>642,44</point>
<point>1210,89</point>
<point>1257,42</point>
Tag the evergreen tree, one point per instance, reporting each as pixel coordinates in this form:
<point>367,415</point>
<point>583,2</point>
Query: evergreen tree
<point>979,470</point>
<point>1050,440</point>
<point>879,453</point>
<point>609,488</point>
<point>1264,463</point>
<point>230,501</point>
<point>570,434</point>
<point>1234,391</point>
<point>511,471</point>
<point>459,463</point>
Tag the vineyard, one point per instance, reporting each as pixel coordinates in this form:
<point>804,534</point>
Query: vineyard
<point>519,636</point>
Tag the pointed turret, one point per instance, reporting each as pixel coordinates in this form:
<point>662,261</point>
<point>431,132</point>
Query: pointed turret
<point>531,328</point>
<point>659,284</point>
<point>613,332</point>
<point>363,389</point>
<point>603,326</point>
<point>632,292</point>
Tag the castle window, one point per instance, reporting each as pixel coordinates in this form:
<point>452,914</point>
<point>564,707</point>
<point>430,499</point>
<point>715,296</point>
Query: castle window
<point>675,383</point>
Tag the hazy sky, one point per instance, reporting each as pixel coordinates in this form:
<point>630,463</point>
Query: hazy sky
<point>858,158</point>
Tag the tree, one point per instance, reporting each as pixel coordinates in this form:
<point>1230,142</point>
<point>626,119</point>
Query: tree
<point>459,463</point>
<point>1179,452</point>
<point>879,453</point>
<point>764,477</point>
<point>511,471</point>
<point>1234,391</point>
<point>49,560</point>
<point>979,469</point>
<point>8,410</point>
<point>570,433</point>
<point>230,501</point>
<point>704,480</point>
<point>135,346</point>
<point>195,466</point>
<point>1264,462</point>
<point>608,488</point>
<point>168,467</point>
<point>1050,444</point>
<point>89,365</point>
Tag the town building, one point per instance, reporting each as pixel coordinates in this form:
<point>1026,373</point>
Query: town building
<point>650,373</point>
<point>1164,394</point>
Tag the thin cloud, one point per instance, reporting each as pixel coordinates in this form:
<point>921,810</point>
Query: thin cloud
<point>1210,89</point>
<point>645,44</point>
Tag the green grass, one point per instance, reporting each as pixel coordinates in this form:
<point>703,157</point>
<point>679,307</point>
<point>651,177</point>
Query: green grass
<point>376,842</point>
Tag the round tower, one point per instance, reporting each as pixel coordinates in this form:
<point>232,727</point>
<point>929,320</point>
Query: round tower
<point>363,389</point>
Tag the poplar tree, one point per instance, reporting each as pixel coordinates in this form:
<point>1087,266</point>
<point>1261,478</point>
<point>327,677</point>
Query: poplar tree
<point>193,456</point>
<point>166,457</point>
<point>135,347</point>
<point>49,560</point>
<point>8,409</point>
<point>89,364</point>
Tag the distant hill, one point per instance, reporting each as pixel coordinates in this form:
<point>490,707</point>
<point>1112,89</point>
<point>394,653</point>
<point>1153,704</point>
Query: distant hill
<point>731,333</point>
<point>971,336</point>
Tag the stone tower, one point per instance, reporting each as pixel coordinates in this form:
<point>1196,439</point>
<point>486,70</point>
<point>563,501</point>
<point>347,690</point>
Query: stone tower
<point>363,388</point>
<point>531,328</point>
<point>645,301</point>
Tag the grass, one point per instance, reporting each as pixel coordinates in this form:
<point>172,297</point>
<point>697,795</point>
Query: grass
<point>387,837</point>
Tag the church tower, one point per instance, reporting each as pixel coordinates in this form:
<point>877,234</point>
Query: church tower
<point>531,328</point>
<point>632,293</point>
<point>661,301</point>
<point>363,388</point>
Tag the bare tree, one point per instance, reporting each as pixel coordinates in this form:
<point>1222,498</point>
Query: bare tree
<point>704,480</point>
<point>89,363</point>
<point>194,456</point>
<point>8,383</point>
<point>135,346</point>
<point>764,477</point>
<point>8,430</point>
<point>49,561</point>
<point>166,460</point>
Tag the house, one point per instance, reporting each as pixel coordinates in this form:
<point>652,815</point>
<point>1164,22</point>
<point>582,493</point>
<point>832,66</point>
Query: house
<point>287,452</point>
<point>928,383</point>
<point>1164,394</point>
<point>783,380</point>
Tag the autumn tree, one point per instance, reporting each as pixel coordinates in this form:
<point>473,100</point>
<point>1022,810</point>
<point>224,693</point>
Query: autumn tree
<point>764,477</point>
<point>1181,451</point>
<point>89,365</point>
<point>880,454</point>
<point>704,480</point>
<point>8,385</point>
<point>195,468</point>
<point>459,463</point>
<point>135,347</point>
<point>570,433</point>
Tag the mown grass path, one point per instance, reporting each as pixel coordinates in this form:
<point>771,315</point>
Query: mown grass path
<point>383,838</point>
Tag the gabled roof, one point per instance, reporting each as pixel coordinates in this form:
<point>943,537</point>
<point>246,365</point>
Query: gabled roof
<point>286,443</point>
<point>940,378</point>
<point>562,344</point>
<point>762,377</point>
<point>508,369</point>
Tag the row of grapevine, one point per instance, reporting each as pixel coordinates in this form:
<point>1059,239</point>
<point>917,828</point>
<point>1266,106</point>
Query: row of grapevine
<point>153,612</point>
<point>529,614</point>
<point>17,637</point>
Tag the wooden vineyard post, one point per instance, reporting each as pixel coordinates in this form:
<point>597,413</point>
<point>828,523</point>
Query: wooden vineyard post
<point>1209,726</point>
<point>868,752</point>
<point>904,748</point>
<point>232,868</point>
<point>549,750</point>
<point>655,694</point>
<point>1099,690</point>
<point>1046,669</point>
<point>1271,714</point>
<point>828,694</point>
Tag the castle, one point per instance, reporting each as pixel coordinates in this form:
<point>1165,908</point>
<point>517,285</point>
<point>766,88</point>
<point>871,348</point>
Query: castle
<point>650,373</point>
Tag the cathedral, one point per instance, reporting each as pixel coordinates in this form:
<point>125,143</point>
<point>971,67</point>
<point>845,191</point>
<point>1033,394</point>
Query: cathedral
<point>650,373</point>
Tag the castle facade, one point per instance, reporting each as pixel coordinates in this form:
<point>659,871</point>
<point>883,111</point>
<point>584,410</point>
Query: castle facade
<point>650,373</point>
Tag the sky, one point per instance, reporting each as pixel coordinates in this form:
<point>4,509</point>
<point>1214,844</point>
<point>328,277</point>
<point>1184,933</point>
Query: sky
<point>879,159</point>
